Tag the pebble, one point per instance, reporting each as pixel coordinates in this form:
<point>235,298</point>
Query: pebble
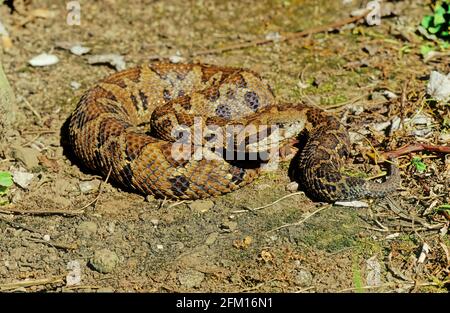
<point>89,186</point>
<point>191,278</point>
<point>228,226</point>
<point>43,59</point>
<point>22,179</point>
<point>87,228</point>
<point>104,261</point>
<point>111,227</point>
<point>27,156</point>
<point>292,186</point>
<point>303,278</point>
<point>201,206</point>
<point>75,85</point>
<point>79,50</point>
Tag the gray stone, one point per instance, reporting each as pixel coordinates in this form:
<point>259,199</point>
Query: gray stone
<point>191,278</point>
<point>27,156</point>
<point>104,261</point>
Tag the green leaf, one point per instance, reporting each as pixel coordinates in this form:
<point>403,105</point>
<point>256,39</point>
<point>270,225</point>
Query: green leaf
<point>443,207</point>
<point>420,166</point>
<point>425,49</point>
<point>427,21</point>
<point>434,30</point>
<point>6,179</point>
<point>439,19</point>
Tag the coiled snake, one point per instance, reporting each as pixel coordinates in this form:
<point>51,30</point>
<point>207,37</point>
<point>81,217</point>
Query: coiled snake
<point>133,125</point>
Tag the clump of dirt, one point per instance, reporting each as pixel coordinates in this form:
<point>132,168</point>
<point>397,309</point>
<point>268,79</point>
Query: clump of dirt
<point>68,230</point>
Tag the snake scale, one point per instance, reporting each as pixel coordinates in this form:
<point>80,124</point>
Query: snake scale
<point>128,126</point>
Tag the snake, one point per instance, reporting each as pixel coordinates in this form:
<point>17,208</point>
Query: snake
<point>193,131</point>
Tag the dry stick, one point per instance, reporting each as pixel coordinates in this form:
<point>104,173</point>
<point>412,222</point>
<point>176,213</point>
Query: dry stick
<point>32,109</point>
<point>40,212</point>
<point>289,37</point>
<point>54,244</point>
<point>268,205</point>
<point>301,221</point>
<point>414,148</point>
<point>35,282</point>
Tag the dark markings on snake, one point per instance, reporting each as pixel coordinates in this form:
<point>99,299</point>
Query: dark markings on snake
<point>144,99</point>
<point>252,100</point>
<point>179,184</point>
<point>166,95</point>
<point>135,102</point>
<point>237,175</point>
<point>127,172</point>
<point>224,111</point>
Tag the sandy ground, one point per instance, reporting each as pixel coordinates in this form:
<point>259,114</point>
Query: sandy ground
<point>125,242</point>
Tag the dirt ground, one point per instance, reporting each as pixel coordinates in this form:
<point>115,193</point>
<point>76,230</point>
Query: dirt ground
<point>66,224</point>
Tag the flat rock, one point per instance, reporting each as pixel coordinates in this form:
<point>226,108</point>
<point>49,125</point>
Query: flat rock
<point>104,261</point>
<point>191,278</point>
<point>27,156</point>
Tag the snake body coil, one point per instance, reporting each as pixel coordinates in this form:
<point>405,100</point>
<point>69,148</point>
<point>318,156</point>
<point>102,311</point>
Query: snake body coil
<point>126,125</point>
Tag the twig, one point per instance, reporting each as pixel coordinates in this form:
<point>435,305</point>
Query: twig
<point>32,109</point>
<point>100,190</point>
<point>19,225</point>
<point>35,282</point>
<point>270,204</point>
<point>289,37</point>
<point>175,204</point>
<point>40,212</point>
<point>301,221</point>
<point>414,148</point>
<point>54,244</point>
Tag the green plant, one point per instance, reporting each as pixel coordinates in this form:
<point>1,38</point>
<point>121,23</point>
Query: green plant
<point>420,166</point>
<point>438,24</point>
<point>6,181</point>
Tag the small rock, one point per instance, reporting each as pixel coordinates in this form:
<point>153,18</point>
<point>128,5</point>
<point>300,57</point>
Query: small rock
<point>303,278</point>
<point>201,206</point>
<point>75,85</point>
<point>381,126</point>
<point>28,156</point>
<point>89,186</point>
<point>44,59</point>
<point>439,86</point>
<point>46,237</point>
<point>115,60</point>
<point>79,50</point>
<point>191,278</point>
<point>87,228</point>
<point>22,179</point>
<point>292,186</point>
<point>228,226</point>
<point>104,261</point>
<point>177,58</point>
<point>74,276</point>
<point>211,238</point>
<point>111,227</point>
<point>274,36</point>
<point>389,95</point>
